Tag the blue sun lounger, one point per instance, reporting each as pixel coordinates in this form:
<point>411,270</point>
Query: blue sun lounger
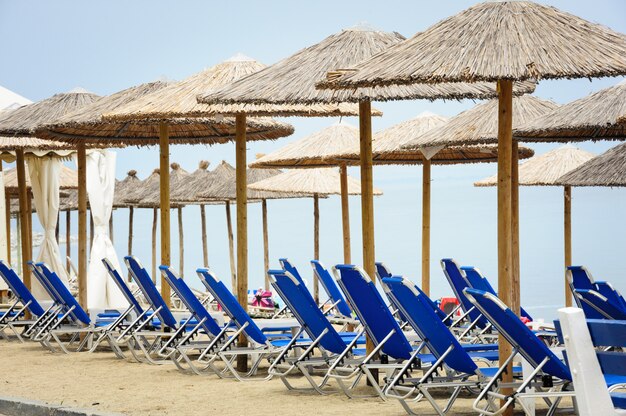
<point>448,352</point>
<point>329,285</point>
<point>224,348</point>
<point>534,351</point>
<point>579,278</point>
<point>12,318</point>
<point>458,282</point>
<point>601,304</point>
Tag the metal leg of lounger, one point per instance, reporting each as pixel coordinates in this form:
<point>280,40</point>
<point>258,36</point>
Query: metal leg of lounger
<point>48,315</point>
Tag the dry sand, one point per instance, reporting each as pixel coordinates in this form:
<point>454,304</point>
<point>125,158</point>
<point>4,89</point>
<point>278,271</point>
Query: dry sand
<point>99,381</point>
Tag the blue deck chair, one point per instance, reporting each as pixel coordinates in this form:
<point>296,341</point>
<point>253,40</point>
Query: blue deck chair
<point>260,346</point>
<point>600,303</point>
<point>527,344</point>
<point>137,337</point>
<point>480,282</point>
<point>447,350</point>
<point>12,318</point>
<point>578,277</point>
<point>586,343</point>
<point>322,334</point>
<point>288,266</point>
<point>329,285</point>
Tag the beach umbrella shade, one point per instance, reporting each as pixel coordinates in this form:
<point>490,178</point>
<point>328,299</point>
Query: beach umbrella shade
<point>291,82</point>
<point>498,42</point>
<point>545,170</point>
<point>123,188</point>
<point>317,182</point>
<point>607,169</point>
<point>90,126</point>
<point>24,122</point>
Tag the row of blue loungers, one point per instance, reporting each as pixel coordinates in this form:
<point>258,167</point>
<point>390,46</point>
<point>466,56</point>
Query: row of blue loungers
<point>418,349</point>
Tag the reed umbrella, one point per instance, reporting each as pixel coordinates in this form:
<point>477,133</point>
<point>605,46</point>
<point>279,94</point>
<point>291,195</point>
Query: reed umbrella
<point>167,126</point>
<point>24,122</point>
<point>607,169</point>
<point>317,182</point>
<point>499,42</point>
<point>545,170</point>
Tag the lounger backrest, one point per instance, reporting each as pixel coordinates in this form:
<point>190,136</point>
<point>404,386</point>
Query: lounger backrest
<point>56,298</point>
<point>425,322</point>
<point>372,311</point>
<point>232,308</point>
<point>600,304</point>
<point>581,278</point>
<point>78,313</point>
<point>149,290</point>
<point>190,300</point>
<point>304,308</point>
<point>581,339</point>
<point>458,282</point>
<point>607,290</point>
<point>19,289</point>
<point>517,333</point>
<point>327,281</point>
<point>287,266</point>
<point>480,282</point>
<point>121,284</point>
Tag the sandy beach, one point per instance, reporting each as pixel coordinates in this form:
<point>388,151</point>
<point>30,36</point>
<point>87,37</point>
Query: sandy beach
<point>101,382</point>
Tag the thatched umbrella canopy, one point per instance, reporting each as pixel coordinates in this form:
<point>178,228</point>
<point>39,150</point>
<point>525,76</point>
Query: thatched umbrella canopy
<point>316,181</point>
<point>24,122</point>
<point>594,117</point>
<point>607,169</point>
<point>123,189</point>
<point>68,179</point>
<point>545,170</point>
<point>498,42</point>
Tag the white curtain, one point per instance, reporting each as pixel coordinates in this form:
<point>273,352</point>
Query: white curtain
<point>102,293</point>
<point>44,178</point>
<point>4,244</point>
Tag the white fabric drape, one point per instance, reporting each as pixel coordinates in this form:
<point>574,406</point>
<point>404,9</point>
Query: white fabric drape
<point>44,178</point>
<point>4,244</point>
<point>102,293</point>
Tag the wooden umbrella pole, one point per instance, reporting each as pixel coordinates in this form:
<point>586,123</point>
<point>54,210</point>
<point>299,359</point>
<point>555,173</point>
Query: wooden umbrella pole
<point>23,196</point>
<point>181,244</point>
<point>7,213</point>
<point>567,228</point>
<point>164,178</point>
<point>131,215</point>
<point>68,239</point>
<point>345,214</point>
<point>29,210</point>
<point>155,216</point>
<point>426,227</point>
<point>19,259</point>
<point>82,224</point>
<point>242,226</point>
<point>505,235</point>
<point>515,247</point>
<point>205,247</point>
<point>316,244</point>
<point>231,247</point>
<point>266,244</point>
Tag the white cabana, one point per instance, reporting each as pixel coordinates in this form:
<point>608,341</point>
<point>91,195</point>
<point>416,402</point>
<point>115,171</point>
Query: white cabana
<point>44,178</point>
<point>102,293</point>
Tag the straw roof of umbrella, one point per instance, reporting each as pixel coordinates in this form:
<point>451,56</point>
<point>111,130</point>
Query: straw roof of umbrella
<point>594,117</point>
<point>607,169</point>
<point>313,150</point>
<point>125,189</point>
<point>26,120</point>
<point>68,179</point>
<point>88,124</point>
<point>148,195</point>
<point>196,182</point>
<point>290,82</point>
<point>135,196</point>
<point>515,40</point>
<point>479,125</point>
<point>546,169</point>
<point>321,181</point>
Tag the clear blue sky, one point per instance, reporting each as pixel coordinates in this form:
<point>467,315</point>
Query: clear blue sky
<point>105,46</point>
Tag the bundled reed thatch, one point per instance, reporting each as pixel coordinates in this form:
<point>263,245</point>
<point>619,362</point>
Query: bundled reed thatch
<point>150,195</point>
<point>34,145</point>
<point>25,121</point>
<point>313,150</point>
<point>89,126</point>
<point>125,188</point>
<point>320,181</point>
<point>68,179</point>
<point>288,86</point>
<point>196,182</point>
<point>546,169</point>
<point>479,125</point>
<point>594,117</point>
<point>515,40</point>
<point>607,169</point>
<point>148,185</point>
